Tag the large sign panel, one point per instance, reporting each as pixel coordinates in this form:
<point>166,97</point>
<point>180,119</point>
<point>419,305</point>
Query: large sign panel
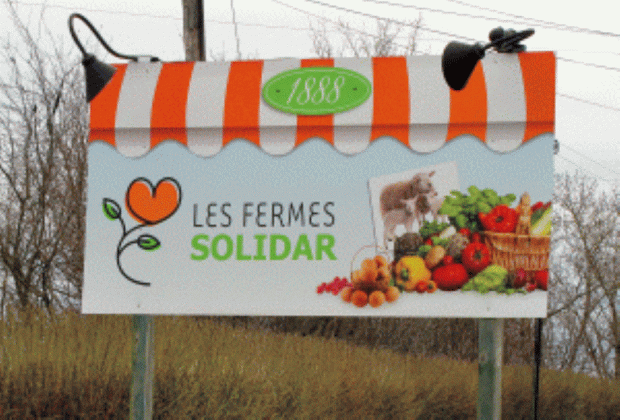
<point>248,233</point>
<point>318,229</point>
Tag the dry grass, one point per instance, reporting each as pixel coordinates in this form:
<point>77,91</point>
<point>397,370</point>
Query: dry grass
<point>79,367</point>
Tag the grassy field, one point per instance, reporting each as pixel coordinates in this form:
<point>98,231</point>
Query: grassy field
<point>76,367</point>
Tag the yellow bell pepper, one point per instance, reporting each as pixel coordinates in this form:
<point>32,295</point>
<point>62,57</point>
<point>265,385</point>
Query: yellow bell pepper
<point>409,271</point>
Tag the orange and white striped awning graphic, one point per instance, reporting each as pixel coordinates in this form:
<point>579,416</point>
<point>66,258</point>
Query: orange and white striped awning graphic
<point>509,99</point>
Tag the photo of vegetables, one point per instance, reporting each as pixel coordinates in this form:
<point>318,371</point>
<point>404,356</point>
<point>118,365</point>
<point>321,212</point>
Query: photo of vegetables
<point>473,241</point>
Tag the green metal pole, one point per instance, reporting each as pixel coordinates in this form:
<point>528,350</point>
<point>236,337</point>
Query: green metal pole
<point>143,368</point>
<point>490,344</point>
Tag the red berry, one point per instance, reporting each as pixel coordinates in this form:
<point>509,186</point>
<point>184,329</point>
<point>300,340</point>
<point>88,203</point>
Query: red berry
<point>475,237</point>
<point>465,232</point>
<point>530,287</point>
<point>447,260</point>
<point>321,288</point>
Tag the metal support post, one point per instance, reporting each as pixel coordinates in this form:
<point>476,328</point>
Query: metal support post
<point>143,368</point>
<point>490,345</point>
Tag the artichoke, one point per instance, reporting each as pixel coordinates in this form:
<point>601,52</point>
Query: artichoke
<point>456,245</point>
<point>407,244</point>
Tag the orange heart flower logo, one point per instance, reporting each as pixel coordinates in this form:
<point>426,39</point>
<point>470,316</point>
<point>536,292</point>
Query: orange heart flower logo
<point>150,204</point>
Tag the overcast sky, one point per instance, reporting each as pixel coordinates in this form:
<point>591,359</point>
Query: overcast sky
<point>585,32</point>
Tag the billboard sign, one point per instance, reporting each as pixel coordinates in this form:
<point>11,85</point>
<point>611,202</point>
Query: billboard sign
<point>207,195</point>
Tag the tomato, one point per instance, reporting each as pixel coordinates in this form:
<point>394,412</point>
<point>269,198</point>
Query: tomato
<point>476,257</point>
<point>422,286</point>
<point>541,278</point>
<point>450,277</point>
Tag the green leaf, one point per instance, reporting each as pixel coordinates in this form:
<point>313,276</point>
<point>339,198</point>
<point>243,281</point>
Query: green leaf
<point>483,207</point>
<point>469,201</point>
<point>148,242</point>
<point>473,191</point>
<point>450,211</point>
<point>461,221</point>
<point>111,209</point>
<point>508,199</point>
<point>493,201</point>
<point>473,226</point>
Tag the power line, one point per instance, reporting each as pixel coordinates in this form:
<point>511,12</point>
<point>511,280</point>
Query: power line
<point>156,16</point>
<point>588,170</point>
<point>285,27</point>
<point>369,15</point>
<point>323,18</point>
<point>554,24</point>
<point>333,21</point>
<point>600,66</point>
<point>611,108</point>
<point>459,14</point>
<point>426,27</point>
<point>590,159</point>
<point>86,9</point>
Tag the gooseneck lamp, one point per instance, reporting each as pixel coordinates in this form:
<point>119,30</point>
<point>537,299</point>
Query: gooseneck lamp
<point>98,73</point>
<point>459,60</point>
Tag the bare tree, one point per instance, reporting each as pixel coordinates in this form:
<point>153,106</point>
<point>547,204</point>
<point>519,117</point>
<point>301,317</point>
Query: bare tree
<point>584,327</point>
<point>43,129</point>
<point>389,38</point>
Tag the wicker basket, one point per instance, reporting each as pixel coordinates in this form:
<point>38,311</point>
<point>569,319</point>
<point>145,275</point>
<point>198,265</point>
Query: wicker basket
<point>511,251</point>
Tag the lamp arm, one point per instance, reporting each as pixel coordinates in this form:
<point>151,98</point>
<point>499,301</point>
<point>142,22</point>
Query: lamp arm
<point>510,39</point>
<point>99,37</point>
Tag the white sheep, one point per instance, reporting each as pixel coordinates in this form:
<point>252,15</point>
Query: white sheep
<point>393,195</point>
<point>428,203</point>
<point>399,216</point>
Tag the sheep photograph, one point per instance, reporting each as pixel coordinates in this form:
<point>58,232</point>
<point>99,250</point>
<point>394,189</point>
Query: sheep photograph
<point>401,202</point>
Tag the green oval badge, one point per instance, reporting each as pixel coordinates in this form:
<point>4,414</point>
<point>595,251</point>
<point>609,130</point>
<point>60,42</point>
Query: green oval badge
<point>317,90</point>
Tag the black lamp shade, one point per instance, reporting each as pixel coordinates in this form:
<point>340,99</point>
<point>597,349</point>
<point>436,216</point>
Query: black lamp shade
<point>98,74</point>
<point>458,63</point>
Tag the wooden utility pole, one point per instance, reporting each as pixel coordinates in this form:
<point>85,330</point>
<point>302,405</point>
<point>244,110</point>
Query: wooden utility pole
<point>194,30</point>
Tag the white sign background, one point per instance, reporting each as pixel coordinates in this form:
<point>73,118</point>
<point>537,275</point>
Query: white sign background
<point>314,171</point>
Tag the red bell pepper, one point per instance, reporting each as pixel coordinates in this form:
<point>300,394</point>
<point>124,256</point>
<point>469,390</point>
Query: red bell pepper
<point>501,219</point>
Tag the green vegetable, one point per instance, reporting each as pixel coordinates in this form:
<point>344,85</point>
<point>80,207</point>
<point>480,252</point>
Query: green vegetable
<point>490,279</point>
<point>542,226</point>
<point>430,228</point>
<point>437,240</point>
<point>462,210</point>
<point>423,250</point>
